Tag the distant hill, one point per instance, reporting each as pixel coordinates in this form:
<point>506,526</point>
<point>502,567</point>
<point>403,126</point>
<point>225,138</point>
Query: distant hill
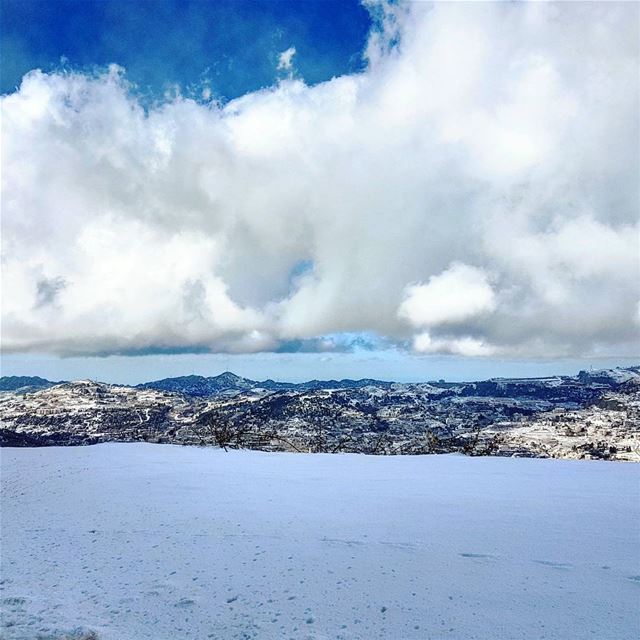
<point>25,383</point>
<point>585,386</point>
<point>579,388</point>
<point>201,386</point>
<point>618,375</point>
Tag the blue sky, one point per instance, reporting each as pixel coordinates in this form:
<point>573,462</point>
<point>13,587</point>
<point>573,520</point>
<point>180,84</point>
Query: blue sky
<point>298,367</point>
<point>318,188</point>
<point>230,45</point>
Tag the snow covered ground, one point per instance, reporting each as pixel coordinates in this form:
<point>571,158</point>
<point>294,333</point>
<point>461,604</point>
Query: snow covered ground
<point>137,541</point>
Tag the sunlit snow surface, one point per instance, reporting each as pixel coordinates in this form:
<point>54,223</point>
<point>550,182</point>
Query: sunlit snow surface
<point>139,541</point>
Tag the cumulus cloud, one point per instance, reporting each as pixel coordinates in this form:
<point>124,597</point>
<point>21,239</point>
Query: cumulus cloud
<point>473,191</point>
<point>455,295</point>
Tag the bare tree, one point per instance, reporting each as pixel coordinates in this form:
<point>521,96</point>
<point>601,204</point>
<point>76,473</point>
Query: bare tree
<point>222,431</point>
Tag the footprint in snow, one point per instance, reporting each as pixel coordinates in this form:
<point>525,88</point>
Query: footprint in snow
<point>349,543</point>
<point>184,602</point>
<point>554,565</point>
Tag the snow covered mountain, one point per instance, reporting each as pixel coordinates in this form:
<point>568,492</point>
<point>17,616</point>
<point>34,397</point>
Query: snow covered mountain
<point>593,414</point>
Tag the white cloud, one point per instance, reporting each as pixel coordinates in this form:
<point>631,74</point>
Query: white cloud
<point>457,294</point>
<point>285,59</point>
<point>488,138</point>
<point>465,346</point>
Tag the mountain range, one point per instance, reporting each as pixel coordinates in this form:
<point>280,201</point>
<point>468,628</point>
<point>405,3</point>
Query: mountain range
<point>594,414</point>
<point>205,386</point>
<point>201,386</point>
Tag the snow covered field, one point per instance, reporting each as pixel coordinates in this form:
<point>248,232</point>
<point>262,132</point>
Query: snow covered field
<point>137,541</point>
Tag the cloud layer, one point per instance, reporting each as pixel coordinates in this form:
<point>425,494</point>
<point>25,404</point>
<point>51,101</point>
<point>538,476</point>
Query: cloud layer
<point>474,191</point>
